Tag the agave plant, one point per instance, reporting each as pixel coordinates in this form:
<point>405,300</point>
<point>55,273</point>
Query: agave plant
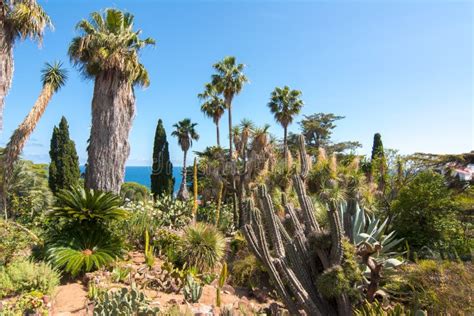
<point>369,229</point>
<point>84,250</point>
<point>83,205</point>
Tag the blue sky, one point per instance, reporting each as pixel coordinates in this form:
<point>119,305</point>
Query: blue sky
<point>400,68</point>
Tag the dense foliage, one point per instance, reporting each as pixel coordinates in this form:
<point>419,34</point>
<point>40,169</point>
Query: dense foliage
<point>64,167</point>
<point>162,180</point>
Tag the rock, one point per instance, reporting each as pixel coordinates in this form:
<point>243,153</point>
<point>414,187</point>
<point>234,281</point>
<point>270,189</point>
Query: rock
<point>228,289</point>
<point>260,295</point>
<point>173,302</point>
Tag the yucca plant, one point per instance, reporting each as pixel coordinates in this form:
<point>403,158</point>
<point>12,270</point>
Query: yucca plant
<point>83,205</point>
<point>203,246</point>
<point>84,250</point>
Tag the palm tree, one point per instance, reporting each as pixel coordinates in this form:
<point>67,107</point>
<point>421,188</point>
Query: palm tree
<point>107,51</point>
<point>185,131</point>
<point>284,105</point>
<point>213,106</point>
<point>19,19</point>
<point>228,81</point>
<point>53,78</point>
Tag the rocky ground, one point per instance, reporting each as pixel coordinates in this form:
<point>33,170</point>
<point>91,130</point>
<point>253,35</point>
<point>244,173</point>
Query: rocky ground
<point>71,298</point>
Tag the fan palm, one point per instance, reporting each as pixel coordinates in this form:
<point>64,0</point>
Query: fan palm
<point>228,81</point>
<point>53,78</point>
<point>186,132</point>
<point>285,104</point>
<point>19,19</point>
<point>107,51</point>
<point>213,106</point>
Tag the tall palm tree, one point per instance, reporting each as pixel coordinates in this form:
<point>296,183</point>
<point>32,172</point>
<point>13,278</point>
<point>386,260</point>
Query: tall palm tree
<point>285,104</point>
<point>53,78</point>
<point>107,51</point>
<point>186,132</point>
<point>19,19</point>
<point>229,80</point>
<point>213,106</point>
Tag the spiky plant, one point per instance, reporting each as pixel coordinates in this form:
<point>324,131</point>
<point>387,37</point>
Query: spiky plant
<point>84,205</point>
<point>285,104</point>
<point>203,246</point>
<point>186,132</point>
<point>19,19</point>
<point>53,78</point>
<point>84,250</point>
<point>213,106</point>
<point>107,51</point>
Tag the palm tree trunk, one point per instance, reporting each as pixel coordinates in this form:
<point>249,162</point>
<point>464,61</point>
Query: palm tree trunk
<point>229,107</point>
<point>228,102</point>
<point>18,140</point>
<point>113,110</point>
<point>6,61</point>
<point>183,193</point>
<point>218,134</point>
<point>285,144</point>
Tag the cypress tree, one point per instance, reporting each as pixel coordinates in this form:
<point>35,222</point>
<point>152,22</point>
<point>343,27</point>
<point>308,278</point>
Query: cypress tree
<point>162,181</point>
<point>377,147</point>
<point>378,163</point>
<point>64,167</point>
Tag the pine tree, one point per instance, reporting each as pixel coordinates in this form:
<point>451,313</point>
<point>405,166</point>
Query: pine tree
<point>64,167</point>
<point>162,181</point>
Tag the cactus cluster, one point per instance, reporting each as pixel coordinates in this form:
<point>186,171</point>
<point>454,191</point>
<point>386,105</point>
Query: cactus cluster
<point>295,263</point>
<point>192,290</point>
<point>123,302</point>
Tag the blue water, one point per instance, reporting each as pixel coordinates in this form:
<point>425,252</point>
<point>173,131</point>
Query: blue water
<point>142,175</point>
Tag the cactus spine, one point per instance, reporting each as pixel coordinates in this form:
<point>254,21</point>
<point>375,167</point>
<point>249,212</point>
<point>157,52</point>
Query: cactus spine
<point>220,285</point>
<point>291,260</point>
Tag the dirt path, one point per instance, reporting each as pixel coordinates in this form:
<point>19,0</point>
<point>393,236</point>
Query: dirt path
<point>70,300</point>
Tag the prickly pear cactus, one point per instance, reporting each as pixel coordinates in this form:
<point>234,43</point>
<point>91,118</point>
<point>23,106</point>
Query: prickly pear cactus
<point>124,302</point>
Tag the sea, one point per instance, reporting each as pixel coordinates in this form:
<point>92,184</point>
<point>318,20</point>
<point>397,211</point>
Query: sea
<point>141,174</point>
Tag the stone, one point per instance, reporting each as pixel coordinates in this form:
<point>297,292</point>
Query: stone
<point>228,289</point>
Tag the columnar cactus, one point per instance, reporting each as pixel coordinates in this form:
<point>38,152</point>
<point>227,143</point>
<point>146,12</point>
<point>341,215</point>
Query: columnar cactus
<point>298,256</point>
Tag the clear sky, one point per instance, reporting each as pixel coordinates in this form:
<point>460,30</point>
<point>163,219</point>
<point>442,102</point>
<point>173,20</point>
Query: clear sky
<point>400,68</point>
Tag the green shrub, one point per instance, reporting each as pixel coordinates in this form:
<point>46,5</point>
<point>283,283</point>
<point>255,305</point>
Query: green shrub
<point>203,246</point>
<point>134,191</point>
<point>248,272</point>
<point>439,287</point>
<point>84,250</point>
<point>23,276</point>
<point>13,241</point>
<point>165,239</point>
<point>425,214</point>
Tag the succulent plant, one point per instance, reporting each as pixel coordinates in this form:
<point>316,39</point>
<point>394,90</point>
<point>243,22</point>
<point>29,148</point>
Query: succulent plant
<point>124,302</point>
<point>192,290</point>
<point>376,309</point>
<point>291,260</point>
<point>220,284</point>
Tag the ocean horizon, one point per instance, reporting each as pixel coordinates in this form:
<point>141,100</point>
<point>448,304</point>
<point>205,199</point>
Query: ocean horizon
<point>141,174</point>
